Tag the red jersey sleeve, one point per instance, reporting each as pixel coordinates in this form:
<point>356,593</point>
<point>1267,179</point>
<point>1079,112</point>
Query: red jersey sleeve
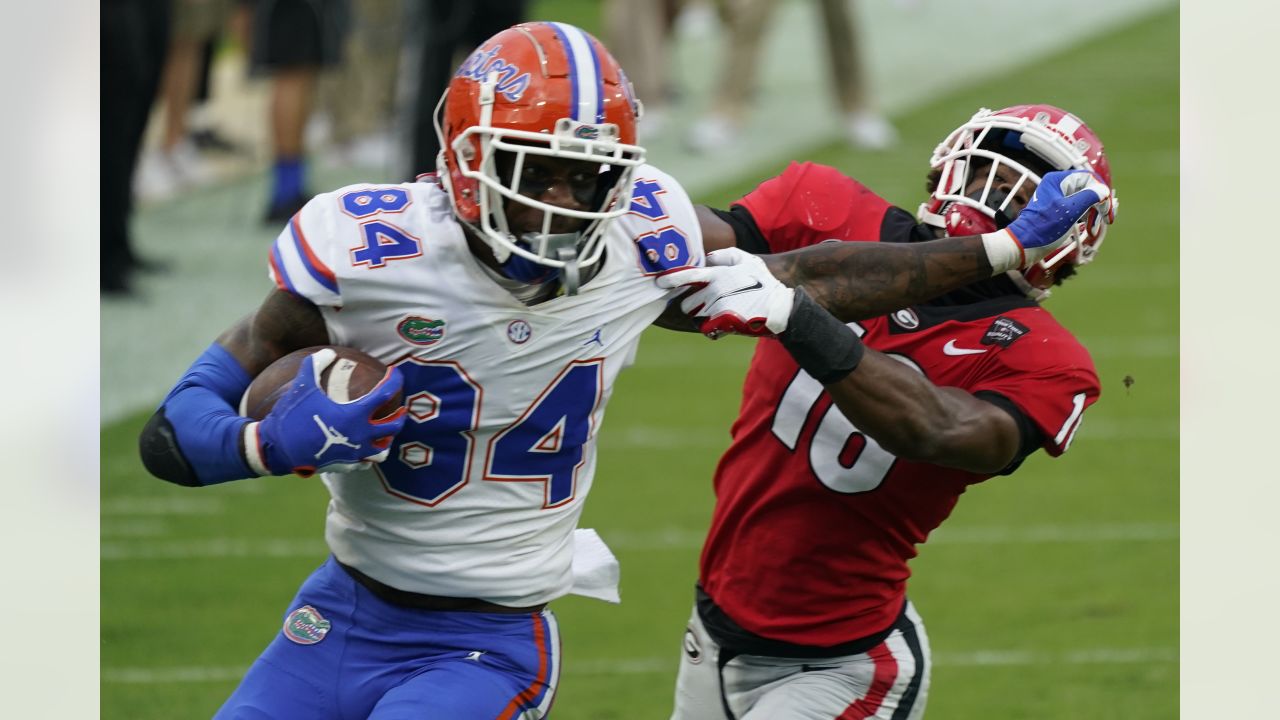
<point>1050,377</point>
<point>809,203</point>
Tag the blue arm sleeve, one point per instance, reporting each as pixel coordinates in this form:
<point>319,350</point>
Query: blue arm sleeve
<point>206,426</point>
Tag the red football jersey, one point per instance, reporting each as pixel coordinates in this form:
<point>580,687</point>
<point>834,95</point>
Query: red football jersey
<point>814,523</point>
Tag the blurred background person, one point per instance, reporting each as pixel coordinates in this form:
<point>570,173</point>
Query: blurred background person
<point>201,127</point>
<point>134,35</point>
<point>745,22</point>
<point>175,164</point>
<point>640,35</point>
<point>358,98</point>
<point>441,31</point>
<point>292,41</point>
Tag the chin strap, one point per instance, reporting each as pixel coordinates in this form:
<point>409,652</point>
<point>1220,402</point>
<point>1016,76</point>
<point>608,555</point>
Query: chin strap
<point>569,276</point>
<point>561,246</point>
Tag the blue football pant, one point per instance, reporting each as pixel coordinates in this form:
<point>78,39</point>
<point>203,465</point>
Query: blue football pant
<point>344,653</point>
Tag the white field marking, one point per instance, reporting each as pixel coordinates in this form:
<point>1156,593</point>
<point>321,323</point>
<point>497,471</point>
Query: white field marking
<point>717,438</point>
<point>669,538</point>
<point>133,528</point>
<point>662,665</point>
<point>162,506</point>
<point>1136,346</point>
<point>1131,532</point>
<point>662,437</point>
<point>215,548</point>
<point>1123,277</point>
<point>1095,429</point>
<point>679,538</point>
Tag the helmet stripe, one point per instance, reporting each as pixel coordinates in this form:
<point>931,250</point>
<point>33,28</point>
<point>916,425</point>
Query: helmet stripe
<point>584,72</point>
<point>595,60</point>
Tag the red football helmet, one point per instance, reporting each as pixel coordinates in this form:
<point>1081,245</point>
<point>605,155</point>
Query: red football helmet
<point>1030,140</point>
<point>540,88</point>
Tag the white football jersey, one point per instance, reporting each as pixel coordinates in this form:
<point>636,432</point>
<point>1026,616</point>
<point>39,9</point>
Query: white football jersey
<point>484,486</point>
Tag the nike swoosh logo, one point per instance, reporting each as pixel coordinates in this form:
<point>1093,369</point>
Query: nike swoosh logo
<point>748,288</point>
<point>951,349</point>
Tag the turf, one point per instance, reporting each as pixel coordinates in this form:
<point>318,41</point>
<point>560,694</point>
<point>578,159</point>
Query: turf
<point>1051,594</point>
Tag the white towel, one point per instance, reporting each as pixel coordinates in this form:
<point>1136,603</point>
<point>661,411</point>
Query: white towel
<point>595,569</point>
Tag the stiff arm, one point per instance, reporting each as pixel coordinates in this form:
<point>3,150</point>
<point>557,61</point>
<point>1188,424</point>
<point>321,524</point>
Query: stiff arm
<point>857,280</point>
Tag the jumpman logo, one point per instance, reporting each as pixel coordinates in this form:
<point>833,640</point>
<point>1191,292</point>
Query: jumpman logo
<point>332,437</point>
<point>596,338</point>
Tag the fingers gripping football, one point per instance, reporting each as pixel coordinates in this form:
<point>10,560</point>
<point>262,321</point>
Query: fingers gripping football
<point>735,293</point>
<point>307,430</point>
<point>1061,202</point>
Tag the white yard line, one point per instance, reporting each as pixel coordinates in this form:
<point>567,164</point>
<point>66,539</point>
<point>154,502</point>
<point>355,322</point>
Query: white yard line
<point>162,506</point>
<point>661,665</point>
<point>661,539</point>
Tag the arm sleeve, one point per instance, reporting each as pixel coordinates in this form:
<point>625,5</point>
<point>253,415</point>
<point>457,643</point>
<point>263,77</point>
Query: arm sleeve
<point>194,438</point>
<point>809,203</point>
<point>747,236</point>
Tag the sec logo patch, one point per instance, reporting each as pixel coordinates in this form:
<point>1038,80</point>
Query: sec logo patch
<point>519,332</point>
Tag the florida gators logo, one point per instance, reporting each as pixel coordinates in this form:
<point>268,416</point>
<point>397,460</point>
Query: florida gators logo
<point>420,330</point>
<point>306,626</point>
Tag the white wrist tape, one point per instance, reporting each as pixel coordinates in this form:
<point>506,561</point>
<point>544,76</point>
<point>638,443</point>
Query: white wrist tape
<point>253,451</point>
<point>1004,252</point>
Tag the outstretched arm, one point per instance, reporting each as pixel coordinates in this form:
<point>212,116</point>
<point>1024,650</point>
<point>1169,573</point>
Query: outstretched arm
<point>744,294</point>
<point>860,280</point>
<point>857,280</point>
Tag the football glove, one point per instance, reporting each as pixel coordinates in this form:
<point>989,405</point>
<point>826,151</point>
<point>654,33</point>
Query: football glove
<point>1049,221</point>
<point>738,295</point>
<point>307,430</point>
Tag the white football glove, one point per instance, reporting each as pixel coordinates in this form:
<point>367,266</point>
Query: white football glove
<point>739,295</point>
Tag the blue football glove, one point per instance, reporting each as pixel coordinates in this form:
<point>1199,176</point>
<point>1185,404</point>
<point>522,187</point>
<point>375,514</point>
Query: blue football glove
<point>1048,222</point>
<point>307,430</point>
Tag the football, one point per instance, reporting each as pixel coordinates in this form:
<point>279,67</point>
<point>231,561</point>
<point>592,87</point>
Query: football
<point>352,375</point>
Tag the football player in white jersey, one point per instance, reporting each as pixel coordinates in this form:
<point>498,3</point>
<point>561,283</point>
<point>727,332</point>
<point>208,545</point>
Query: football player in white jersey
<point>506,294</point>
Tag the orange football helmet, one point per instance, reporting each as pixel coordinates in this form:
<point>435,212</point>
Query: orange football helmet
<point>539,88</point>
<point>1030,139</point>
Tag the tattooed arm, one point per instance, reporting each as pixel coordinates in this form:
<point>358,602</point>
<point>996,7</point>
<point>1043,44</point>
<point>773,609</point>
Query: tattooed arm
<point>858,280</point>
<point>283,323</point>
<point>853,280</point>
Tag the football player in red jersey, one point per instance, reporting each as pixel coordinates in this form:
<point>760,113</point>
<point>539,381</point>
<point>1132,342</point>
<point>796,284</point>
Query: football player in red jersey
<point>856,439</point>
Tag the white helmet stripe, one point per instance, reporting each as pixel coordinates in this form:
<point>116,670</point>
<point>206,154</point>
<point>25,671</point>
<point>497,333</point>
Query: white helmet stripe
<point>584,74</point>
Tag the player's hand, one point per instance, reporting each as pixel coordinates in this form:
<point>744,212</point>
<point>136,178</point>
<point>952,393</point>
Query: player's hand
<point>1060,203</point>
<point>308,430</point>
<point>738,295</point>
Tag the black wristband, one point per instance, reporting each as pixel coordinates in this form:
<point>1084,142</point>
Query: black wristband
<point>823,346</point>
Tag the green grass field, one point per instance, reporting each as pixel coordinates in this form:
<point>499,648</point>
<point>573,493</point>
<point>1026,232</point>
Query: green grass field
<point>1050,594</point>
